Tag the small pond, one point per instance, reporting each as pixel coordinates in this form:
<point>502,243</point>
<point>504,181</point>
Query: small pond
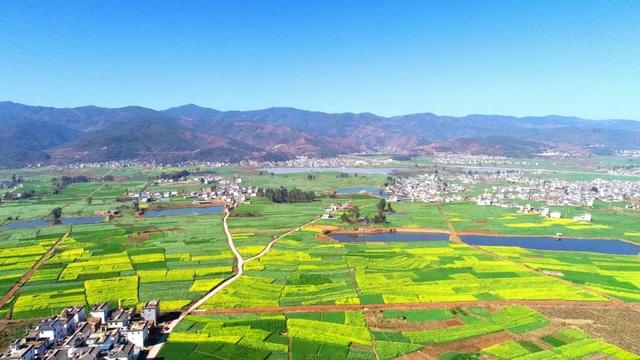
<point>184,211</point>
<point>360,190</point>
<point>26,224</point>
<point>603,246</point>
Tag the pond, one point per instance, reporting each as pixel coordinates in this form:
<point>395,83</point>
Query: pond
<point>603,246</point>
<point>360,190</point>
<point>184,211</point>
<point>26,224</point>
<point>391,237</point>
<point>350,170</point>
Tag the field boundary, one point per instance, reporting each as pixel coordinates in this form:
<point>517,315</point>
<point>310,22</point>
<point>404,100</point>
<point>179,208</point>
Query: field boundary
<point>411,306</point>
<point>23,280</point>
<point>154,351</point>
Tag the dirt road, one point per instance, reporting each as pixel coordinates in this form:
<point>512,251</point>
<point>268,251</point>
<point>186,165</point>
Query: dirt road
<point>429,305</point>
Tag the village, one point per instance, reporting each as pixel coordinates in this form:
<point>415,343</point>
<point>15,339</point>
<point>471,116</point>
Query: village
<point>558,192</point>
<point>332,162</point>
<point>512,189</point>
<point>218,189</point>
<point>102,334</point>
<point>425,188</point>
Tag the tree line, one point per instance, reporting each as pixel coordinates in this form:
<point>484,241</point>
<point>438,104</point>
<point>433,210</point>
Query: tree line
<point>63,181</point>
<point>282,195</point>
<point>177,175</point>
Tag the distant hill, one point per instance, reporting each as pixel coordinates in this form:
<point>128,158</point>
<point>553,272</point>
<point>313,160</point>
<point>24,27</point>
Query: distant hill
<point>89,133</point>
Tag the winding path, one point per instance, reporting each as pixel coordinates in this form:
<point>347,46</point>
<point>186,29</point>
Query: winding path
<point>154,351</point>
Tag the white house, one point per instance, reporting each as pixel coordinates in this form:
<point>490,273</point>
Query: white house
<point>137,333</point>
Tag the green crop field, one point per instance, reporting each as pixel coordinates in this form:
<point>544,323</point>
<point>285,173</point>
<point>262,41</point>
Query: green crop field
<point>127,262</point>
<point>608,222</point>
<point>614,275</point>
<point>302,270</point>
<point>336,335</point>
<point>565,343</point>
<point>361,335</point>
<point>364,300</point>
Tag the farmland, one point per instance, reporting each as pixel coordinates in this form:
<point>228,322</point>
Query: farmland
<point>609,222</point>
<point>302,270</point>
<point>509,332</point>
<point>310,296</point>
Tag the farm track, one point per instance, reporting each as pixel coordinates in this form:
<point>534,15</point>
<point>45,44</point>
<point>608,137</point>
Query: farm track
<point>430,305</point>
<point>453,233</point>
<point>154,351</point>
<point>23,280</point>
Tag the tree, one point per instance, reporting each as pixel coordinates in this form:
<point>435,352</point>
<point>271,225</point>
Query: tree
<point>380,218</point>
<point>56,213</point>
<point>351,216</point>
<point>390,209</point>
<point>89,200</point>
<point>381,205</point>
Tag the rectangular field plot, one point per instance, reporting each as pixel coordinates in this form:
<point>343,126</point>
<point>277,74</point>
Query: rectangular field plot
<point>331,335</point>
<point>614,275</point>
<point>126,262</point>
<point>299,270</point>
<point>302,270</point>
<point>566,343</point>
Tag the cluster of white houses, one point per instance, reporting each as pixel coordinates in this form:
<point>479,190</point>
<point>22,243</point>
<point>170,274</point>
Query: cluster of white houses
<point>328,211</point>
<point>426,188</point>
<point>308,162</point>
<point>221,189</point>
<point>103,334</point>
<point>563,193</point>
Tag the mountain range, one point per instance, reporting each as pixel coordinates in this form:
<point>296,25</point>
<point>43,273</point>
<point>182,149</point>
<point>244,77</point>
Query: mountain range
<point>36,134</point>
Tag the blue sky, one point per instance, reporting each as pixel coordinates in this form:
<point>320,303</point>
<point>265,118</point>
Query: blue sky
<point>529,57</point>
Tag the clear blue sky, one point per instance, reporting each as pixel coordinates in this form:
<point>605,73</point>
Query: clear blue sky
<point>528,57</point>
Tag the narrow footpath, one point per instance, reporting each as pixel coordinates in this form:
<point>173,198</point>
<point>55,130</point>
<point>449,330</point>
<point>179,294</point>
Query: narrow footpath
<point>23,280</point>
<point>154,351</point>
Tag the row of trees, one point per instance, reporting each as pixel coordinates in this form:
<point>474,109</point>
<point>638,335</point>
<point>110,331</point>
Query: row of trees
<point>62,182</point>
<point>174,175</point>
<point>282,195</point>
